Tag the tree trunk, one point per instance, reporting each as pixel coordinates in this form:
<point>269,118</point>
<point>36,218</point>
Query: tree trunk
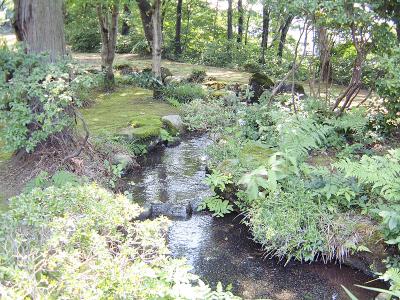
<point>240,21</point>
<point>246,34</point>
<point>108,30</point>
<point>284,33</point>
<point>157,38</point>
<point>40,24</point>
<point>265,31</point>
<point>324,47</point>
<point>145,16</point>
<point>215,20</point>
<point>230,25</point>
<point>125,29</point>
<point>178,28</point>
<point>356,79</point>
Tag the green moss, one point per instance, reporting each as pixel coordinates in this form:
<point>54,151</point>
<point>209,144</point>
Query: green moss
<point>255,153</point>
<point>126,107</point>
<point>3,154</point>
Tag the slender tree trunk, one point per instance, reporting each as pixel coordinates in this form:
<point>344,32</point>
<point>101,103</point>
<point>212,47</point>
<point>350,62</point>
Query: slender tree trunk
<point>215,20</point>
<point>246,34</point>
<point>178,28</point>
<point>108,21</point>
<point>284,32</point>
<point>396,20</point>
<point>157,38</point>
<point>125,29</point>
<point>145,15</point>
<point>356,79</point>
<point>40,24</point>
<point>240,21</point>
<point>265,31</point>
<point>230,21</point>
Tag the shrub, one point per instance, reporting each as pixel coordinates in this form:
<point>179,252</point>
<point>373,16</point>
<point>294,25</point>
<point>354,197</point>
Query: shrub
<point>184,92</point>
<point>388,87</point>
<point>207,115</point>
<point>83,34</point>
<point>197,76</point>
<point>81,243</point>
<point>37,99</point>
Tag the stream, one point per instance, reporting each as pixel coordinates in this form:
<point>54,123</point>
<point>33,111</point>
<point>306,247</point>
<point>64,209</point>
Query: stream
<point>221,249</point>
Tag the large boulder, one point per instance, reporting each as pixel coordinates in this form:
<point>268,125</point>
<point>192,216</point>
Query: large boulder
<point>259,83</point>
<point>174,124</point>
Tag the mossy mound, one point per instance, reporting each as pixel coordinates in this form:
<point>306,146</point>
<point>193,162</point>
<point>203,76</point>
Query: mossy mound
<point>114,112</point>
<point>251,156</point>
<point>260,82</point>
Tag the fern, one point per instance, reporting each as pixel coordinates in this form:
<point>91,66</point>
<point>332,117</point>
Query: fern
<point>352,121</point>
<point>299,134</point>
<point>382,172</point>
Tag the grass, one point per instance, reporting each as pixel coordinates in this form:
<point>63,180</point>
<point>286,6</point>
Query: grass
<point>127,107</point>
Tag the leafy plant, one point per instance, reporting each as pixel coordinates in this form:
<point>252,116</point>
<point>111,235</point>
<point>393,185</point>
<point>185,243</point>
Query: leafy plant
<point>217,180</point>
<point>218,206</point>
<point>59,179</point>
<point>82,243</point>
<point>381,173</point>
<point>184,92</point>
<point>36,99</point>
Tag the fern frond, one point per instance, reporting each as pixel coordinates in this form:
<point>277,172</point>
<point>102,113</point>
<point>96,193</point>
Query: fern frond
<point>381,172</point>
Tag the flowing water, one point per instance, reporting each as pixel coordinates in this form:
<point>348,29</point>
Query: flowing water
<point>222,249</point>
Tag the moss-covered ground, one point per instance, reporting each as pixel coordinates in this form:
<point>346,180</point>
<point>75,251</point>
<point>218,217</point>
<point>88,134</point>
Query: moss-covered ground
<point>127,107</point>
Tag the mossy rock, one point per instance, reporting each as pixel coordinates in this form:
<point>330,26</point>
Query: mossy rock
<point>259,83</point>
<point>173,124</point>
<point>287,88</point>
<point>144,127</point>
<point>165,73</point>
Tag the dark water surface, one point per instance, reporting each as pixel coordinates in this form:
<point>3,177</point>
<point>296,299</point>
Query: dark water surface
<point>222,249</point>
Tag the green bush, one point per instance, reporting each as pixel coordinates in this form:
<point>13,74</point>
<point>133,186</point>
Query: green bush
<point>83,35</point>
<point>197,76</point>
<point>184,92</point>
<point>37,99</point>
<point>82,243</point>
<point>388,87</point>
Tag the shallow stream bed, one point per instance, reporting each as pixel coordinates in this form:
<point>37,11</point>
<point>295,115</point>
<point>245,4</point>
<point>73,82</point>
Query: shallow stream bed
<point>222,249</point>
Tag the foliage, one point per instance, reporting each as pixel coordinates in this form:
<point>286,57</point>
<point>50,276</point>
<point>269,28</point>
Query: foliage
<point>184,92</point>
<point>388,87</point>
<point>36,99</point>
<point>218,206</point>
<point>218,181</point>
<point>81,243</point>
<point>197,76</point>
<point>380,173</point>
<point>58,179</point>
<point>210,114</point>
<point>391,224</point>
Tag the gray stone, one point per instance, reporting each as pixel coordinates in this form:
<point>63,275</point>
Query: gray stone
<point>174,123</point>
<point>125,160</point>
<point>146,212</point>
<point>182,211</point>
<point>382,296</point>
<point>173,142</point>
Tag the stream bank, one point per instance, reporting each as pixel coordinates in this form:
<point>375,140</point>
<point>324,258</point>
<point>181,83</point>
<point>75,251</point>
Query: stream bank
<point>222,249</point>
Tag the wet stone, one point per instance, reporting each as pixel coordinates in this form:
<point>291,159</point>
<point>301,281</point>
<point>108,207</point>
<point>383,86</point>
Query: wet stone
<point>178,211</point>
